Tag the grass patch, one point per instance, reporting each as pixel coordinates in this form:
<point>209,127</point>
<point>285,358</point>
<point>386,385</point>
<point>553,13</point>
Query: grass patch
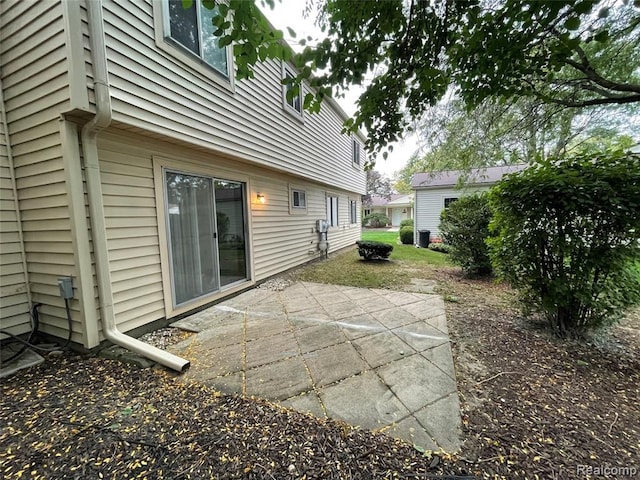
<point>347,268</point>
<point>406,252</point>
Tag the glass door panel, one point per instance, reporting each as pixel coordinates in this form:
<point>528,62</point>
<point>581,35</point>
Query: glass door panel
<point>230,216</point>
<point>192,236</point>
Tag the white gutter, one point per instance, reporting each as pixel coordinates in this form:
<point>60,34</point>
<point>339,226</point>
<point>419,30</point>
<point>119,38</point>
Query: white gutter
<point>101,120</point>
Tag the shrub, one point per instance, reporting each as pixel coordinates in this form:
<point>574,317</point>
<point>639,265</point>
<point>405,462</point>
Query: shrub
<point>375,220</point>
<point>465,227</point>
<point>407,222</point>
<point>406,235</point>
<point>370,250</point>
<point>440,247</point>
<point>568,236</point>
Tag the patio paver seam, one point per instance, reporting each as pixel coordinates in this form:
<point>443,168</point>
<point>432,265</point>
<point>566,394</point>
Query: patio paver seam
<point>244,354</point>
<point>314,388</point>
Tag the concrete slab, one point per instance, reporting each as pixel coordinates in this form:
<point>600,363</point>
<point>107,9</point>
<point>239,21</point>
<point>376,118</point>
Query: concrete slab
<point>307,402</point>
<point>333,363</point>
<point>375,358</point>
<point>376,408</point>
<point>270,349</point>
<point>417,382</point>
<point>279,381</point>
<point>382,348</point>
<point>438,419</point>
<point>319,336</point>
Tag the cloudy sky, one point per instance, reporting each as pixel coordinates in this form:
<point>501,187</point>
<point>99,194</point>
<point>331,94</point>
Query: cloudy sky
<point>289,13</point>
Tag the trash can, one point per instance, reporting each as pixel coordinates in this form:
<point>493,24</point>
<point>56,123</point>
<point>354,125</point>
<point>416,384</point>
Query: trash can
<point>423,238</point>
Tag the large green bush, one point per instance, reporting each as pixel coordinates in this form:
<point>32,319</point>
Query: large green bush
<point>568,236</point>
<point>375,220</point>
<point>407,222</point>
<point>406,235</point>
<point>465,227</point>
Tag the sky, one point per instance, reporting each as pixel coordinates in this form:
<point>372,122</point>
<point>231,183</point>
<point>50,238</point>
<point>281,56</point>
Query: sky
<point>289,13</point>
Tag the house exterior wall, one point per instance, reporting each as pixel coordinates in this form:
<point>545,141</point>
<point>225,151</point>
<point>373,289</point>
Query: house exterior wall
<point>14,302</point>
<point>131,174</point>
<point>35,83</point>
<point>429,203</point>
<point>162,107</point>
<point>155,86</point>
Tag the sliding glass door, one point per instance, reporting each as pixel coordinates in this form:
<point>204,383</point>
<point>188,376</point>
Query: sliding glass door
<point>206,231</point>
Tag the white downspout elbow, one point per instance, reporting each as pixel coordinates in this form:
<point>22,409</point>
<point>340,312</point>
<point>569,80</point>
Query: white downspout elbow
<point>101,120</point>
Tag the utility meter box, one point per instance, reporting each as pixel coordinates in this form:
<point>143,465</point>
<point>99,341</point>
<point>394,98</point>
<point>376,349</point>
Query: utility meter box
<point>322,226</point>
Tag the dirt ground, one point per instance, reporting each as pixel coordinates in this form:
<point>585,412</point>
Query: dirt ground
<point>533,407</point>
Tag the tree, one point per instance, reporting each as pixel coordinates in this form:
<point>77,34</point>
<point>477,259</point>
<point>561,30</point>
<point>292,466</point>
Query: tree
<point>574,54</point>
<point>377,184</point>
<point>567,236</point>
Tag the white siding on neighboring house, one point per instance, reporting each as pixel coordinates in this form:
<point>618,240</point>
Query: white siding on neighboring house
<point>280,239</point>
<point>14,304</point>
<point>429,203</point>
<point>159,91</point>
<point>35,84</point>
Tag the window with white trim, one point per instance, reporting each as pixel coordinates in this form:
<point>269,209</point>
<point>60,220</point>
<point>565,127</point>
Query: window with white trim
<point>353,211</point>
<point>298,199</point>
<point>332,211</point>
<point>355,152</point>
<point>449,200</point>
<point>292,102</point>
<point>191,29</point>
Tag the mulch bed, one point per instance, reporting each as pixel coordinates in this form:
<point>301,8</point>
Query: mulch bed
<point>95,418</point>
<point>533,408</point>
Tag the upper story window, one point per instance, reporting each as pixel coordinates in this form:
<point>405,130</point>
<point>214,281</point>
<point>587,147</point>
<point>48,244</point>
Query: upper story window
<point>292,102</point>
<point>192,29</point>
<point>355,152</point>
<point>448,201</point>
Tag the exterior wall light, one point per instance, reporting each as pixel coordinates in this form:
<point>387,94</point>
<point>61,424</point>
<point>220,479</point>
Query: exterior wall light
<point>260,197</point>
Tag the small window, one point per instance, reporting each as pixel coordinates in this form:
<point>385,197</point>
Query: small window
<point>355,152</point>
<point>193,30</point>
<point>367,211</point>
<point>332,211</point>
<point>448,201</point>
<point>353,211</point>
<point>298,199</point>
<point>292,102</point>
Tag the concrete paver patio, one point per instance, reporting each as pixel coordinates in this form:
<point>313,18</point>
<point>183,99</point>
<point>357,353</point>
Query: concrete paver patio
<point>378,359</point>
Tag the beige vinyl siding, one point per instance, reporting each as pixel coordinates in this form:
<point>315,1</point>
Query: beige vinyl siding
<point>280,240</point>
<point>429,203</point>
<point>35,86</point>
<point>14,304</point>
<point>159,92</point>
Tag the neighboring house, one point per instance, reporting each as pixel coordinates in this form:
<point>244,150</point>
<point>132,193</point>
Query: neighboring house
<point>397,207</point>
<point>186,187</point>
<point>435,191</point>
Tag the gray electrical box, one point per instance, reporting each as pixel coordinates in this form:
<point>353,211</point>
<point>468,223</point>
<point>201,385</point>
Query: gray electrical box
<point>66,287</point>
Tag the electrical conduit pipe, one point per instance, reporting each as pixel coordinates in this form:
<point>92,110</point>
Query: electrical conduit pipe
<point>101,120</point>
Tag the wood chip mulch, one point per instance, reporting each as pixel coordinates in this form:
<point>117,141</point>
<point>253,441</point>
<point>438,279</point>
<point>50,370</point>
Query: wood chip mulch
<point>89,418</point>
<point>533,407</point>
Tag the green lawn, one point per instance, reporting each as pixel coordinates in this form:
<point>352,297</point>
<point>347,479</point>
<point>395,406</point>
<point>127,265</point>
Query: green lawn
<point>406,252</point>
<point>347,268</point>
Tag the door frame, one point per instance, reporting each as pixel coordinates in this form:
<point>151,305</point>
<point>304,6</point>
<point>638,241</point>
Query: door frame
<point>206,170</point>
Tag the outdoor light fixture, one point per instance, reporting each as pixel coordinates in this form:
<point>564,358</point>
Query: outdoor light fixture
<point>260,197</point>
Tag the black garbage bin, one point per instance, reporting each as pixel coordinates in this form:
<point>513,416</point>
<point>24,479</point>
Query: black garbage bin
<point>423,238</point>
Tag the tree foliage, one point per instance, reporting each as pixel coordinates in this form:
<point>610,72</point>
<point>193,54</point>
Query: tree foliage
<point>465,227</point>
<point>377,184</point>
<point>410,53</point>
<point>567,234</point>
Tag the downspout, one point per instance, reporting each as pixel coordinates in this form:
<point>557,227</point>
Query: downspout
<point>100,121</point>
